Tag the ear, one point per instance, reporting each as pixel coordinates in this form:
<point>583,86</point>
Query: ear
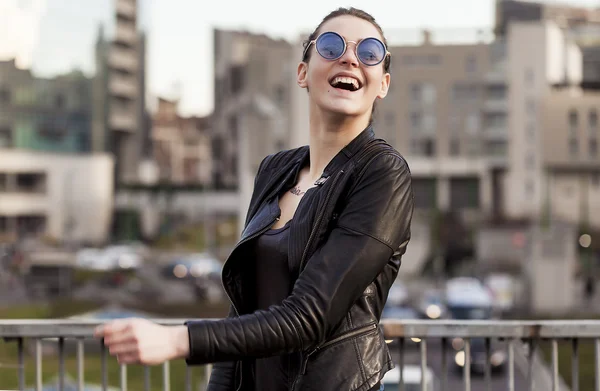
<point>302,78</point>
<point>385,86</point>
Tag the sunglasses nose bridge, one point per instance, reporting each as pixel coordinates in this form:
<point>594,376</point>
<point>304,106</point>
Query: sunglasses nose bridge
<point>351,52</point>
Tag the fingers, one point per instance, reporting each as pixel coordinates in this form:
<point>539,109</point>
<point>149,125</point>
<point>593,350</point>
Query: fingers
<point>128,358</point>
<point>112,327</point>
<point>124,349</point>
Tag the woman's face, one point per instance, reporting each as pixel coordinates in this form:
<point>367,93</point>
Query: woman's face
<point>320,74</point>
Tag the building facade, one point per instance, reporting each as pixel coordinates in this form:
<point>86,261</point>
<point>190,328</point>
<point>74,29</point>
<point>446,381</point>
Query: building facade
<point>40,114</point>
<point>181,146</point>
<point>120,120</point>
<point>60,197</point>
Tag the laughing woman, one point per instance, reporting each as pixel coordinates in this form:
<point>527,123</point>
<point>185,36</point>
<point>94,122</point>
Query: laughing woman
<point>326,228</point>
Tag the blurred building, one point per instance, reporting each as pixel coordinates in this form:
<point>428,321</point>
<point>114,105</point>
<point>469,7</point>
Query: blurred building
<point>44,114</point>
<point>60,197</point>
<point>554,158</point>
<point>570,155</point>
<point>580,24</point>
<point>446,112</point>
<point>181,146</point>
<point>120,121</point>
<point>253,112</point>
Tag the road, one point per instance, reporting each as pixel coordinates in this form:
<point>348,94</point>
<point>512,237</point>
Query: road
<point>412,356</point>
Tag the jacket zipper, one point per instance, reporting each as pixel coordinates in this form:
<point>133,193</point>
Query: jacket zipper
<point>341,338</point>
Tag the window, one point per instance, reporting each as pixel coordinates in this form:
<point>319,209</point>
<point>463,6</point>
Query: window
<point>425,193</point>
<point>464,193</point>
<point>573,147</point>
<point>529,77</point>
<point>4,95</point>
<point>462,91</point>
<point>530,161</point>
<point>529,187</point>
<point>5,137</point>
<point>593,148</point>
<point>496,148</point>
<point>423,147</point>
<point>237,78</point>
<point>593,121</point>
<point>454,147</point>
<point>31,182</point>
<point>472,123</point>
<point>530,132</point>
<point>422,93</point>
<point>496,92</point>
<point>416,121</point>
<point>573,121</point>
<point>495,120</point>
<point>530,106</point>
<point>59,101</point>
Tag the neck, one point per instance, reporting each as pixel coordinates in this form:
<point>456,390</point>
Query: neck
<point>329,134</point>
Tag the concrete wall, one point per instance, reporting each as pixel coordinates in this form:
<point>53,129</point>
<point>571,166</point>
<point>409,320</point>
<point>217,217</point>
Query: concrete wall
<point>78,196</point>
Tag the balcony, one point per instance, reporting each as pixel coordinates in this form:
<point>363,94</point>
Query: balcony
<point>495,105</point>
<point>123,121</point>
<point>126,9</point>
<point>126,34</point>
<point>435,346</point>
<point>124,59</point>
<point>123,86</point>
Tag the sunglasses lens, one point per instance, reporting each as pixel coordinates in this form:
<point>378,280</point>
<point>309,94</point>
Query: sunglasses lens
<point>371,51</point>
<point>330,46</point>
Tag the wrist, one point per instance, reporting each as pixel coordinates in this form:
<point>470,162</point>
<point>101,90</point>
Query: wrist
<point>181,342</point>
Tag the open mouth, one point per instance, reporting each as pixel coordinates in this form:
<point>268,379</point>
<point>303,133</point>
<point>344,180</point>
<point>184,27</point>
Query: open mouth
<point>345,83</point>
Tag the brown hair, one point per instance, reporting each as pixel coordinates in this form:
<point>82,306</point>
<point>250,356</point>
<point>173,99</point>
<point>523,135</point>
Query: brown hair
<point>342,12</point>
<point>358,13</point>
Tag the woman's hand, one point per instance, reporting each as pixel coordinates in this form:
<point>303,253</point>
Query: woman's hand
<point>140,341</point>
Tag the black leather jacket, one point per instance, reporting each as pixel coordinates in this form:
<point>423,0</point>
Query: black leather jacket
<point>346,240</point>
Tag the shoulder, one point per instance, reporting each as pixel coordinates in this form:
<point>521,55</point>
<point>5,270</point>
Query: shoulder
<point>381,158</point>
<point>282,159</point>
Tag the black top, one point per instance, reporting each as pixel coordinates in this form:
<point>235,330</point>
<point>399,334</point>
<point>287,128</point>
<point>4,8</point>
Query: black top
<point>272,287</point>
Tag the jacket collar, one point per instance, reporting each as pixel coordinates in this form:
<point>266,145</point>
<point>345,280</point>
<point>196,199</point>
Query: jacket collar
<point>348,151</point>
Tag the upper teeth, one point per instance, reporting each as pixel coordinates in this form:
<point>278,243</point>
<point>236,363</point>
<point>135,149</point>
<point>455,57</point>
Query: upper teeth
<point>345,80</point>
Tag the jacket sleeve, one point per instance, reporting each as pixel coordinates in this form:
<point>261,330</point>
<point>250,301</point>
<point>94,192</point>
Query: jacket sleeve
<point>222,376</point>
<point>373,224</point>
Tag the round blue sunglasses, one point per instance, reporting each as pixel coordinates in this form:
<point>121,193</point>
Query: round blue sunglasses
<point>331,46</point>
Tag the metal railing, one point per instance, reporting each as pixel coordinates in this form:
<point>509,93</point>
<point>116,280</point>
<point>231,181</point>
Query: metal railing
<point>520,342</point>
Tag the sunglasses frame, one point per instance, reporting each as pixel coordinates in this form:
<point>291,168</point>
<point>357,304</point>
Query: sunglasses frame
<point>346,42</point>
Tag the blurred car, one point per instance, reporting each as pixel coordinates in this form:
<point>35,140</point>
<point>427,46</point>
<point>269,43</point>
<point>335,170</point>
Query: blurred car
<point>432,305</point>
<point>398,294</point>
<point>472,301</point>
<point>194,266</point>
<point>498,356</point>
<point>110,258</point>
<point>502,288</point>
<point>392,312</point>
<point>411,376</point>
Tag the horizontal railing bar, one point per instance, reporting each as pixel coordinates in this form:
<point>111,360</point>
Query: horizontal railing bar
<point>69,328</point>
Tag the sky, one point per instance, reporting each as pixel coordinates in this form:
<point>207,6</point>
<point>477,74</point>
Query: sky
<point>56,36</point>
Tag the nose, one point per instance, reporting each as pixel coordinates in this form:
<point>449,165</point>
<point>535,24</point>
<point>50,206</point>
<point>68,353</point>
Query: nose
<point>349,56</point>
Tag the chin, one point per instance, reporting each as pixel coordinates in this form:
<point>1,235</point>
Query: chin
<point>343,108</point>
